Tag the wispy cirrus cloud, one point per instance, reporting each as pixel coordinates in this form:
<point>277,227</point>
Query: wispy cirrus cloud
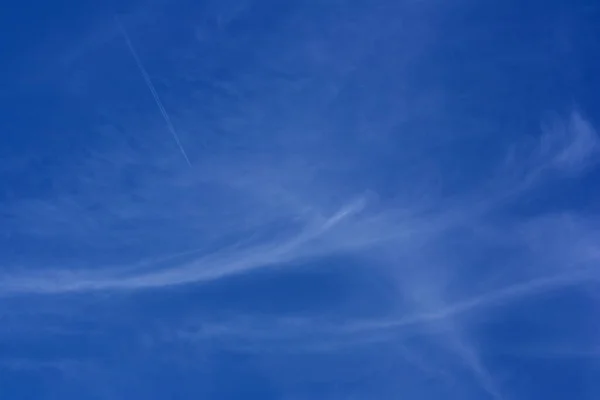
<point>359,225</point>
<point>312,143</point>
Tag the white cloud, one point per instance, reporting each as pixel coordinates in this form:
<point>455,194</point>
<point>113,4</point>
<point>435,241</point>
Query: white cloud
<point>358,225</point>
<point>580,144</point>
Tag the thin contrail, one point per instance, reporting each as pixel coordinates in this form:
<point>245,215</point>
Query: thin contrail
<point>152,89</point>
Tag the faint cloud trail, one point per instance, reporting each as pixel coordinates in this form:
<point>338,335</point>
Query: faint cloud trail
<point>203,269</point>
<point>497,297</point>
<point>150,85</point>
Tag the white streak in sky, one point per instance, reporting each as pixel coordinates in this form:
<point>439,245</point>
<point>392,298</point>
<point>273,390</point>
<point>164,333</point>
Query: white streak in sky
<point>150,85</point>
<point>496,298</point>
<point>202,269</point>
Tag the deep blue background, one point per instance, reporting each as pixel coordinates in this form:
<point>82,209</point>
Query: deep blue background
<point>463,264</point>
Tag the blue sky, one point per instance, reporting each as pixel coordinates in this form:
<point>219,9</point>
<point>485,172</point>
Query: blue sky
<point>292,200</point>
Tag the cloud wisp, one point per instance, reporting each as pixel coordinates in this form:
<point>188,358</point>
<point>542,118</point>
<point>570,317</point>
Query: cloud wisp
<point>359,225</point>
